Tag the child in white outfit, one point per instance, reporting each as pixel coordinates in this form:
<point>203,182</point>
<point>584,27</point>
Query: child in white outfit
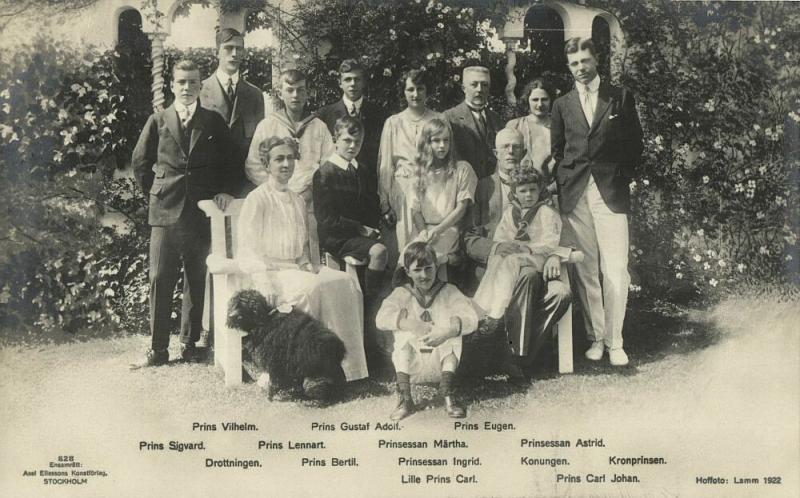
<point>426,315</point>
<point>533,223</point>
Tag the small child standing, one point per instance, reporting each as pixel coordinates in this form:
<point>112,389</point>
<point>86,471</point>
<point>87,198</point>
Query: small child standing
<point>426,315</point>
<point>534,225</point>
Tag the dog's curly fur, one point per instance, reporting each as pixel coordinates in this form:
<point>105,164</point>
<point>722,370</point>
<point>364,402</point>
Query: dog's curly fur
<point>293,348</point>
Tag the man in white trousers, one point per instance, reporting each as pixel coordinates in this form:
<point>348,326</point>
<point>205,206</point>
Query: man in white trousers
<point>597,144</point>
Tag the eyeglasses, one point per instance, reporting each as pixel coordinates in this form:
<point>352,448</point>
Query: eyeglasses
<point>511,147</point>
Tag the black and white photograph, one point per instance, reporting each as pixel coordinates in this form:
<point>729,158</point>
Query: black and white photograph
<point>473,248</point>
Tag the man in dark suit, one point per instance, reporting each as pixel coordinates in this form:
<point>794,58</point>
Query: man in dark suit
<point>597,144</point>
<point>353,81</point>
<point>183,156</point>
<point>475,125</point>
<point>237,101</point>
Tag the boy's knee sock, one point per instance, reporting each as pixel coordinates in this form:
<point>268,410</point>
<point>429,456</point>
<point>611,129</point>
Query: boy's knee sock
<point>446,384</point>
<point>373,279</point>
<point>404,385</point>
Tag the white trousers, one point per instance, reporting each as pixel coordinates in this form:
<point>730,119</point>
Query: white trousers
<point>602,235</point>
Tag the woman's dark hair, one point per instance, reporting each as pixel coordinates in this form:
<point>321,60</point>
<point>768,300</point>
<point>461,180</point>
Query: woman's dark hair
<point>417,76</point>
<point>522,103</point>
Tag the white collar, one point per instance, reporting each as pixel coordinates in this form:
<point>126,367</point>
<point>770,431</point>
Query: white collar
<point>342,162</point>
<point>592,86</point>
<point>186,110</point>
<point>476,111</point>
<point>349,104</point>
<point>223,78</point>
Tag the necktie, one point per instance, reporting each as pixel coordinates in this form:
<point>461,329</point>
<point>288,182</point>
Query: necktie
<point>353,111</point>
<point>588,108</point>
<point>482,123</point>
<point>231,91</point>
<point>185,118</point>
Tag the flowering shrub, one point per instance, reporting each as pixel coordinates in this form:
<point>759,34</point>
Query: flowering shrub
<point>70,121</point>
<point>717,203</point>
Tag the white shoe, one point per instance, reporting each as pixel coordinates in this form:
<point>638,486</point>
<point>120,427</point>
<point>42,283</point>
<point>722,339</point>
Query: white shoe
<point>595,353</point>
<point>618,357</point>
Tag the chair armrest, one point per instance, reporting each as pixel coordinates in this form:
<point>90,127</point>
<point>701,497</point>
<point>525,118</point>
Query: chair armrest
<point>218,265</point>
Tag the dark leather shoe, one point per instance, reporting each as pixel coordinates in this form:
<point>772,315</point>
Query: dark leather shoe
<point>191,353</point>
<point>453,409</point>
<point>405,407</point>
<point>514,372</point>
<point>153,359</point>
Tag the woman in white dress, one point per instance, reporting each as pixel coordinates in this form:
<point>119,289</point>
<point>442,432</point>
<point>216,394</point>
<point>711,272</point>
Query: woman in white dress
<point>535,127</point>
<point>440,192</point>
<point>273,250</point>
<point>396,158</point>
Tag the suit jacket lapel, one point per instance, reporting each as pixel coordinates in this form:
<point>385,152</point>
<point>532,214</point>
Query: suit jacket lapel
<point>603,103</point>
<point>198,125</point>
<point>469,120</point>
<point>574,102</point>
<point>174,127</point>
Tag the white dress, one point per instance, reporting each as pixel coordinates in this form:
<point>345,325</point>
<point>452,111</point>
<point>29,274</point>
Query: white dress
<point>497,285</point>
<point>442,194</point>
<point>272,232</point>
<point>449,302</point>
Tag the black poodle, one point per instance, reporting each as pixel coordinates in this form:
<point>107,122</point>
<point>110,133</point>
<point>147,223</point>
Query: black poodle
<point>295,350</point>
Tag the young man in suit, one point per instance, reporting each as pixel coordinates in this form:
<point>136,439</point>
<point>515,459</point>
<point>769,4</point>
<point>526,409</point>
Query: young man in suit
<point>237,101</point>
<point>353,81</point>
<point>475,125</point>
<point>597,143</point>
<point>183,156</point>
<point>539,298</point>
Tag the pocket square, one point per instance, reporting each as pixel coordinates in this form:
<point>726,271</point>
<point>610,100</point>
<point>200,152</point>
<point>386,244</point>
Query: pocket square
<point>612,116</point>
<point>210,138</point>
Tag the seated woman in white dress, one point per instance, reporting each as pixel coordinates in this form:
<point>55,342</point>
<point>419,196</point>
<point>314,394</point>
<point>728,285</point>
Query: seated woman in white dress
<point>273,250</point>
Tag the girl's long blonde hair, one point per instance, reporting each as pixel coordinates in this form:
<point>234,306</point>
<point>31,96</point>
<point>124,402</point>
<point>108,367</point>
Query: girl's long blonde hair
<point>426,162</point>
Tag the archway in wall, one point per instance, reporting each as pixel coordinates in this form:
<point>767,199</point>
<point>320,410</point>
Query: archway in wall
<point>544,35</point>
<point>601,36</point>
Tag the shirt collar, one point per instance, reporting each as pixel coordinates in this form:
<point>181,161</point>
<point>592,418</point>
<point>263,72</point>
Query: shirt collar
<point>223,78</point>
<point>342,162</point>
<point>350,104</point>
<point>593,85</point>
<point>476,110</point>
<point>185,110</point>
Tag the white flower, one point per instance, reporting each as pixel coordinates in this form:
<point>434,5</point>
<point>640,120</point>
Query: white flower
<point>646,182</point>
<point>773,46</point>
<point>788,257</point>
<point>698,258</point>
<point>713,282</point>
<point>679,276</point>
<point>780,201</point>
<point>709,106</point>
<point>701,233</point>
<point>760,215</point>
<point>756,127</point>
<point>658,139</point>
<point>763,250</point>
<point>717,145</point>
<point>722,263</point>
<point>706,266</point>
<point>751,184</point>
<point>678,124</point>
<point>440,25</point>
<point>739,187</point>
<point>387,72</point>
<point>762,169</point>
<point>706,179</point>
<point>741,267</point>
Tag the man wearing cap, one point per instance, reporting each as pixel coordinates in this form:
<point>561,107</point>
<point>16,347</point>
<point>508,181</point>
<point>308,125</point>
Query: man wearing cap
<point>240,103</point>
<point>596,141</point>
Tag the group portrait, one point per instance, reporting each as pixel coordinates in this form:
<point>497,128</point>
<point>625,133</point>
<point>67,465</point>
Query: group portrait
<point>539,213</point>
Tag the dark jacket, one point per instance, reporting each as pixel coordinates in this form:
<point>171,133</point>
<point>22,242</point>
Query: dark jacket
<point>371,116</point>
<point>178,170</point>
<point>609,149</point>
<point>469,143</point>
